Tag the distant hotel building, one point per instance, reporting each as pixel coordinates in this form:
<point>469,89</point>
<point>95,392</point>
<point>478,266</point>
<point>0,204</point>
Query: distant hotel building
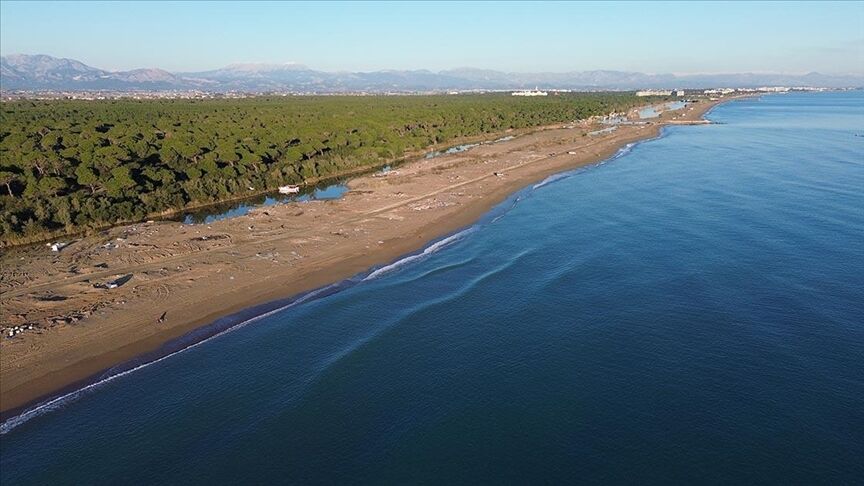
<point>654,92</point>
<point>535,92</point>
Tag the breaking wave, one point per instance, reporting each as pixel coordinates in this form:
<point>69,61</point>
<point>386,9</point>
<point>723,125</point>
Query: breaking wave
<point>438,245</point>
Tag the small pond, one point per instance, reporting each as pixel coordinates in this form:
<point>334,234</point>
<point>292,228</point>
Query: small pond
<point>652,111</point>
<point>217,212</point>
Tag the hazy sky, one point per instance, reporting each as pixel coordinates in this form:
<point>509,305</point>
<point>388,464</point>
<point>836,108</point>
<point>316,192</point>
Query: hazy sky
<point>648,37</point>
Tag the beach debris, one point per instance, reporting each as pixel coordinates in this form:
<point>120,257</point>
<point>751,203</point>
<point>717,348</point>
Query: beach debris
<point>113,284</point>
<point>571,152</point>
<point>603,131</point>
<point>218,236</point>
<point>50,298</point>
<point>269,255</point>
<point>498,174</point>
<point>16,330</point>
<point>56,247</point>
<point>435,203</point>
<point>162,317</point>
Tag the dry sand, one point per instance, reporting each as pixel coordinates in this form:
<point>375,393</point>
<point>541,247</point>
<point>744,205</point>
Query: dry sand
<point>197,273</point>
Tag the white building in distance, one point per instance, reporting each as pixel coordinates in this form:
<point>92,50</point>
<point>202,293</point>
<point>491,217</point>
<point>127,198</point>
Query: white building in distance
<point>534,92</point>
<point>654,92</point>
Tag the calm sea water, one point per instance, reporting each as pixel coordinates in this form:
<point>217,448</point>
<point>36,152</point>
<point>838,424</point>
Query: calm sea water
<point>692,311</point>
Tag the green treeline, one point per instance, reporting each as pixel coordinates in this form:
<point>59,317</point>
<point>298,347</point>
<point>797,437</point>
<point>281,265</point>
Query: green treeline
<point>67,166</point>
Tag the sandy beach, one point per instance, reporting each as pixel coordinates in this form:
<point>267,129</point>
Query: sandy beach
<point>176,277</point>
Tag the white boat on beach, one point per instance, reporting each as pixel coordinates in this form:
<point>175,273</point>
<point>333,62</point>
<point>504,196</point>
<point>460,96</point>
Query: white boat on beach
<point>289,189</point>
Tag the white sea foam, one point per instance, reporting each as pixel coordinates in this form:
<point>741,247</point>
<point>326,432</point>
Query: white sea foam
<point>563,175</point>
<point>551,179</point>
<point>623,151</point>
<point>438,245</point>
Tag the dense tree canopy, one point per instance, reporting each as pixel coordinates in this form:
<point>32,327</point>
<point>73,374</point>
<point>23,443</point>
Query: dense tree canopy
<point>66,166</point>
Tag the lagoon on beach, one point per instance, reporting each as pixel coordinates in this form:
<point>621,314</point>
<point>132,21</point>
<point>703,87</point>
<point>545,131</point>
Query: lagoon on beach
<point>687,308</point>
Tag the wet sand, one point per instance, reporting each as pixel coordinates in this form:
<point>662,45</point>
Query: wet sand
<point>186,276</point>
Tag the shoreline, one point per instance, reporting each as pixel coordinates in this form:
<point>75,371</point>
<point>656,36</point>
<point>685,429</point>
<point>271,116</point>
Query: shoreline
<point>79,360</point>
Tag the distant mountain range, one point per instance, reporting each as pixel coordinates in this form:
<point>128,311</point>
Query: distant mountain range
<point>41,72</point>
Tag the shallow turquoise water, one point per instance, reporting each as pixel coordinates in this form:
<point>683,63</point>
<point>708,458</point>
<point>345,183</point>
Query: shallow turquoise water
<point>690,311</point>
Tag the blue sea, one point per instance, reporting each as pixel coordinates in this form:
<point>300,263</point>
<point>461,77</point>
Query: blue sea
<point>689,311</point>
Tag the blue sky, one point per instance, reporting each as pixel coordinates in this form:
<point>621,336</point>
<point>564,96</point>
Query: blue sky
<point>522,37</point>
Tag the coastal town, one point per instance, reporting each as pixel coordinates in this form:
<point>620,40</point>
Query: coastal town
<point>97,95</point>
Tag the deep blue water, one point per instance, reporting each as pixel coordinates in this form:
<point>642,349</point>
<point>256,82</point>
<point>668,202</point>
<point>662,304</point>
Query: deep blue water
<point>692,311</point>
